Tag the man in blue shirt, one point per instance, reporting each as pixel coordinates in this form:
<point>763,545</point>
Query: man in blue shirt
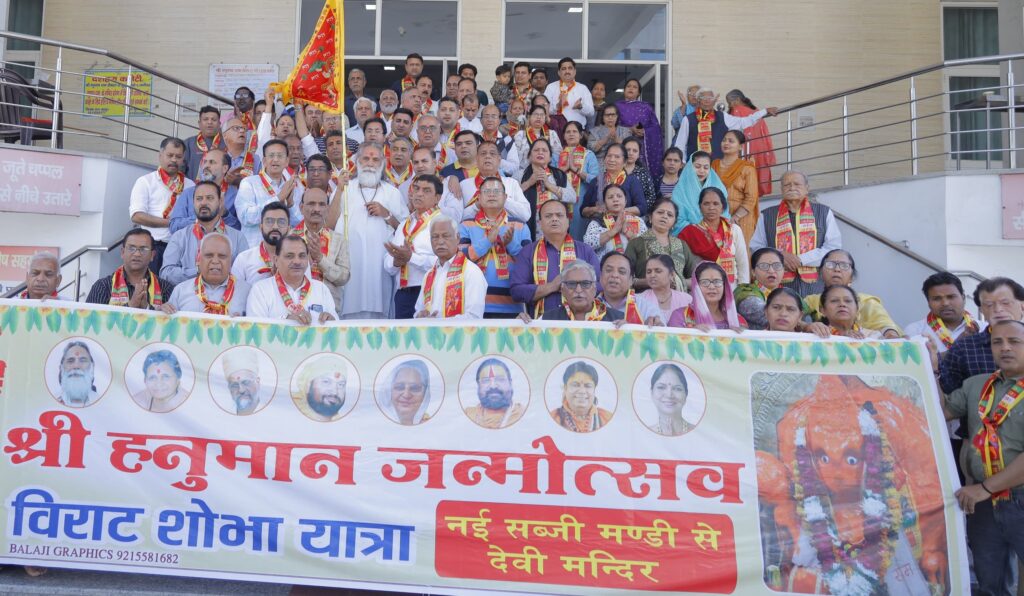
<point>213,167</point>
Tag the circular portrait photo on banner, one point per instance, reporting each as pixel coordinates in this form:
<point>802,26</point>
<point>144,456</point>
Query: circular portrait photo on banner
<point>494,392</point>
<point>669,398</point>
<point>159,377</point>
<point>243,380</point>
<point>77,372</point>
<point>581,395</point>
<point>409,390</point>
<point>325,387</point>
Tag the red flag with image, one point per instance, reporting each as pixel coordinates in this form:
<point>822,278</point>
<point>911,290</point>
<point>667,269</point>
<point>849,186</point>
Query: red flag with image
<point>319,74</point>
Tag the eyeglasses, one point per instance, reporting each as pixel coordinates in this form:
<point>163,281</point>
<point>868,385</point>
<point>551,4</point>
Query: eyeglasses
<point>316,170</point>
<point>576,285</point>
<point>243,96</point>
<point>493,192</point>
<point>840,265</point>
<point>770,267</point>
<point>137,250</point>
<point>238,128</point>
<point>280,222</point>
<point>711,283</point>
<point>410,387</point>
<point>428,127</point>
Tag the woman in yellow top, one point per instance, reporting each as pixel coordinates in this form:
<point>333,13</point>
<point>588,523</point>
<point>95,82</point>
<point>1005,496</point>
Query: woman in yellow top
<point>838,269</point>
<point>840,309</point>
<point>740,179</point>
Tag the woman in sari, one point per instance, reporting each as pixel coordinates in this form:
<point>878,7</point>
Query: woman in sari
<point>712,306</point>
<point>761,149</point>
<point>696,176</point>
<point>840,307</point>
<point>660,277</point>
<point>607,132</point>
<point>671,166</point>
<point>740,179</point>
<point>616,228</point>
<point>614,173</point>
<point>536,128</point>
<point>542,183</point>
<point>639,117</point>
<point>580,165</point>
<point>657,241</point>
<point>784,311</point>
<point>717,239</point>
<point>635,166</point>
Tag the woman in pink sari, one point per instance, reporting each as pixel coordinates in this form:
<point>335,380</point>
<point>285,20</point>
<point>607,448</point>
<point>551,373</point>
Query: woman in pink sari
<point>638,115</point>
<point>758,142</point>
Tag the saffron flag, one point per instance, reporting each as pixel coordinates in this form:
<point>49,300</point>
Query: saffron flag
<point>319,74</point>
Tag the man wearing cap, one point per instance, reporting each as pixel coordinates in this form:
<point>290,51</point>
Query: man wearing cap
<point>320,394</point>
<point>242,373</point>
<point>495,392</point>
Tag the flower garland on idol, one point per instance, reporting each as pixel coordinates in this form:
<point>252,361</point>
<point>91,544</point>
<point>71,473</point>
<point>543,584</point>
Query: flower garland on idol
<point>852,569</point>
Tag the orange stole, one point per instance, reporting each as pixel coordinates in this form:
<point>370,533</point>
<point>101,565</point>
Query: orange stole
<point>806,239</point>
<point>454,287</point>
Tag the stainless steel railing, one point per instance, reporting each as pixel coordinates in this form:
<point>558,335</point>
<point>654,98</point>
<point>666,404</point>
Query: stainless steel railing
<point>912,123</point>
<point>134,129</point>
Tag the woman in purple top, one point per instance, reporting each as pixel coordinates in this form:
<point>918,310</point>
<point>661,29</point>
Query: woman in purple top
<point>639,116</point>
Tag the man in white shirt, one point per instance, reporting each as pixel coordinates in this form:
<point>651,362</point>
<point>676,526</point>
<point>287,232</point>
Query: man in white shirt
<point>257,262</point>
<point>154,195</point>
<point>290,293</point>
<point>271,184</point>
<point>490,120</point>
<point>448,114</point>
<point>364,109</point>
<point>409,253</point>
<point>412,100</point>
<point>425,85</point>
<point>214,290</point>
<point>947,318</point>
<point>470,119</point>
<point>366,214</point>
<point>715,124</point>
<point>181,260</point>
<point>428,129</point>
<point>568,97</point>
<point>398,169</point>
<point>488,159</point>
<point>424,164</point>
<point>401,125</point>
<point>388,104</point>
<point>454,288</point>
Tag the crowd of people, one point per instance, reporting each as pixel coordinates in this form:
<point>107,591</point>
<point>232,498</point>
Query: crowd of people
<point>542,200</point>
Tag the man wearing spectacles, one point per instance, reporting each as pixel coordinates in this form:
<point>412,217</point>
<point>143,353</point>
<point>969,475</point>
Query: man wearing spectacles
<point>579,298</point>
<point>257,262</point>
<point>245,103</point>
<point>133,285</point>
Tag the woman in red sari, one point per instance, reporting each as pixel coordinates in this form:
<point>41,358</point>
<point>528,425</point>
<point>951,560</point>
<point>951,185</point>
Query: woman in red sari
<point>717,239</point>
<point>760,144</point>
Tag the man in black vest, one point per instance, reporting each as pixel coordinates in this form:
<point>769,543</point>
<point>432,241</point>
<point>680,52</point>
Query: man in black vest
<point>802,230</point>
<point>704,129</point>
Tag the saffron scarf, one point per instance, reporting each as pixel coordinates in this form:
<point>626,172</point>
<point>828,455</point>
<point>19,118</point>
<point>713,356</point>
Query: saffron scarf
<point>290,305</point>
<point>987,441</point>
<point>596,313</point>
<point>705,119</point>
<point>265,256</point>
<point>806,239</point>
<point>573,156</point>
<point>119,295</point>
<point>722,237</point>
<point>325,247</point>
<point>215,308</point>
<point>630,227</point>
<point>563,94</point>
<point>454,287</point>
<point>566,255</point>
<point>498,252</point>
<point>410,230</point>
<point>175,184</point>
<point>939,327</point>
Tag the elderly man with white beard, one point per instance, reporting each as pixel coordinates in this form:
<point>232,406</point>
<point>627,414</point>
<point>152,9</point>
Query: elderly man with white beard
<point>366,217</point>
<point>77,376</point>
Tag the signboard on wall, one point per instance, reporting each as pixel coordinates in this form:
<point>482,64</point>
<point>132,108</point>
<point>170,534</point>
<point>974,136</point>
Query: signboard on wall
<point>1013,206</point>
<point>40,182</point>
<point>105,93</point>
<point>14,263</point>
<point>225,78</point>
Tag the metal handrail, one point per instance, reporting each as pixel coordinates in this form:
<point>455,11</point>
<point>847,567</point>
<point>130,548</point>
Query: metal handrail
<point>906,75</point>
<point>77,258</point>
<point>114,56</point>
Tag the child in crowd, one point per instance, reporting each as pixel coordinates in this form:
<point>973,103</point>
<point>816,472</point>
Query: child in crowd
<point>501,90</point>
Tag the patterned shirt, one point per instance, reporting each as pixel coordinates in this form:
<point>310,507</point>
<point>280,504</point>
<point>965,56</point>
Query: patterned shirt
<point>970,355</point>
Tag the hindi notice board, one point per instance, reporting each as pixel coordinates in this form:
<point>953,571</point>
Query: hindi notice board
<point>106,90</point>
<point>226,78</point>
<point>40,182</point>
<point>549,458</point>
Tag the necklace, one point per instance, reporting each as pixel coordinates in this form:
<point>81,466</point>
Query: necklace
<point>372,198</point>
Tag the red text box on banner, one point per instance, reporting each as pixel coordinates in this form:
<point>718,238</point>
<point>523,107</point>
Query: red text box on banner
<point>608,548</point>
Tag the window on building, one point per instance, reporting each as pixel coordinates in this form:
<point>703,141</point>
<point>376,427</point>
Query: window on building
<point>970,32</point>
<point>626,31</point>
<point>543,29</point>
<point>427,28</point>
<point>25,16</point>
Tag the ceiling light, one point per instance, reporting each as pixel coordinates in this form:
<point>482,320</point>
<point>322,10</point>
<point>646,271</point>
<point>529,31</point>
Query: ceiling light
<point>389,68</point>
<point>619,90</point>
<point>371,6</point>
<point>576,9</point>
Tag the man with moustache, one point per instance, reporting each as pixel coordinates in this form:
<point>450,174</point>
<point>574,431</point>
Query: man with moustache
<point>240,145</point>
<point>208,139</point>
<point>257,262</point>
<point>428,130</point>
<point>77,376</point>
<point>356,88</point>
<point>42,278</point>
<point>398,169</point>
<point>213,167</point>
<point>488,160</point>
<point>290,294</point>
<point>242,373</point>
<point>154,195</point>
<point>181,259</point>
<point>617,291</point>
<point>133,284</point>
<point>454,288</point>
<point>409,253</point>
<point>495,392</point>
<point>425,85</point>
<point>366,215</point>
<point>364,110</point>
<point>321,388</point>
<point>214,290</point>
<point>328,252</point>
<point>388,104</point>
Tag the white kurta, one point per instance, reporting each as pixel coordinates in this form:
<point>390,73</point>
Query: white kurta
<point>580,93</point>
<point>422,258</point>
<point>248,263</point>
<point>369,291</point>
<point>265,300</point>
<point>253,196</point>
<point>474,292</point>
<point>150,195</point>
